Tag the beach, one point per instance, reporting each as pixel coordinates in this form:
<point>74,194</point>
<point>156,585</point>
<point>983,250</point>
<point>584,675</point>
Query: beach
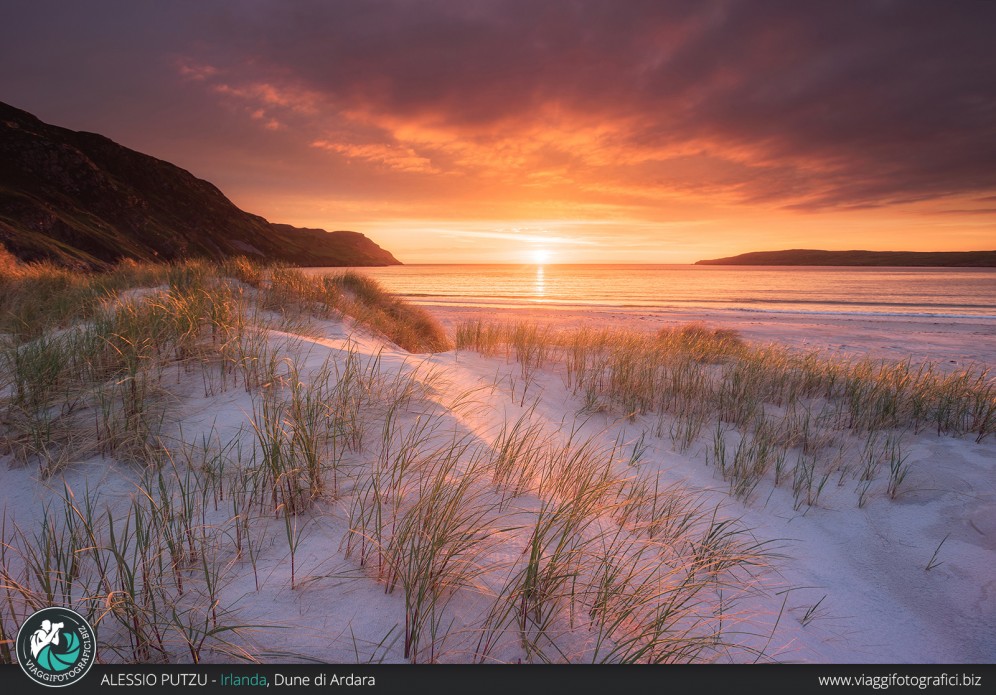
<point>956,341</point>
<point>794,528</point>
<point>943,315</point>
<point>533,336</point>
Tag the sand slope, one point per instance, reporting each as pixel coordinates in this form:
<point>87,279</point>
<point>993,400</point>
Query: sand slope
<point>843,584</point>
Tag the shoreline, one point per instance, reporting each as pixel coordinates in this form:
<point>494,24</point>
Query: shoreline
<point>956,343</point>
<point>813,514</point>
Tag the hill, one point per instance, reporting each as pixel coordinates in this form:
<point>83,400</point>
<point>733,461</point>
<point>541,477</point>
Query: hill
<point>81,199</point>
<point>949,259</point>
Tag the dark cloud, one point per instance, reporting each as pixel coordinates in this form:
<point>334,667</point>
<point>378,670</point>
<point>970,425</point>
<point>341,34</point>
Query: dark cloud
<point>848,103</point>
<point>809,105</point>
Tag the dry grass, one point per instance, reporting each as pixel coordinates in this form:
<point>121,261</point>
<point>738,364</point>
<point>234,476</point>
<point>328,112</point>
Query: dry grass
<point>568,550</point>
<point>353,294</point>
<point>778,415</point>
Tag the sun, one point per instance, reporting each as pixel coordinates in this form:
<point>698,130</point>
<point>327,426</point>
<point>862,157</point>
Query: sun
<point>540,256</point>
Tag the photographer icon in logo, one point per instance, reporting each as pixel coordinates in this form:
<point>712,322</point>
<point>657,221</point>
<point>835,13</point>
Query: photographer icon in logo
<point>56,647</point>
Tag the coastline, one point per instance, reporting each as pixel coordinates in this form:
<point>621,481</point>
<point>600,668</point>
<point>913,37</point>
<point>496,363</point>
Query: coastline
<point>850,508</point>
<point>952,342</point>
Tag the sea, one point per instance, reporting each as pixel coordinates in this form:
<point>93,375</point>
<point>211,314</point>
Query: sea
<point>845,291</point>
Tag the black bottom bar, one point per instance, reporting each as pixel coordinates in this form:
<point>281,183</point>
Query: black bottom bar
<point>519,679</point>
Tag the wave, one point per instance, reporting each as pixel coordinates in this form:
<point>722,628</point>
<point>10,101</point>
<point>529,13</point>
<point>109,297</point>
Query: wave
<point>513,302</point>
<point>819,307</point>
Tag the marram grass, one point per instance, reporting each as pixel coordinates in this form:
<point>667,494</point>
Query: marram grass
<point>570,550</point>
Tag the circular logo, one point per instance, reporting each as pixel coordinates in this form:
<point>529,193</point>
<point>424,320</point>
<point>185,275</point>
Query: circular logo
<point>56,647</point>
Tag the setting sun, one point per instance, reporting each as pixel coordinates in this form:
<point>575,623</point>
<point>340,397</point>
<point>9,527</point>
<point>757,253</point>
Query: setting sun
<point>540,256</point>
<point>488,333</point>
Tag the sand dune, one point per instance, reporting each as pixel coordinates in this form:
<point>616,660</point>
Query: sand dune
<point>316,492</point>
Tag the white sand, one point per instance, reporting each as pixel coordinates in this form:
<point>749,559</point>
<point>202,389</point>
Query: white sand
<point>864,567</point>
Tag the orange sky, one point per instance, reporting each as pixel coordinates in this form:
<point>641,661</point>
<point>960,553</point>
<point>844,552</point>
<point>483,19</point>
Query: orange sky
<point>659,132</point>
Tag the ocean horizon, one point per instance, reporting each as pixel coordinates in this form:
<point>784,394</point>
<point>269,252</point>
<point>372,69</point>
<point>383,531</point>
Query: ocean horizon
<point>823,290</point>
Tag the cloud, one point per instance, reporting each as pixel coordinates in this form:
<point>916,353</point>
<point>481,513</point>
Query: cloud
<point>194,71</point>
<point>646,110</point>
<point>812,106</point>
<point>394,156</point>
<point>527,236</point>
<point>272,96</point>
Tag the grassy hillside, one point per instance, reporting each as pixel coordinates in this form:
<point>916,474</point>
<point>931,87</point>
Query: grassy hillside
<point>80,199</point>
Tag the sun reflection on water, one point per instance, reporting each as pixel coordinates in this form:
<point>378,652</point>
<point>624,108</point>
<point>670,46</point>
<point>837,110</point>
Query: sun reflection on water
<point>539,286</point>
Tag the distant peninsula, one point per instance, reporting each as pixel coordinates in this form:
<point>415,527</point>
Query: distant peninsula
<point>919,259</point>
<point>81,200</point>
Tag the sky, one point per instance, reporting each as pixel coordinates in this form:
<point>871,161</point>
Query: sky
<point>558,131</point>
